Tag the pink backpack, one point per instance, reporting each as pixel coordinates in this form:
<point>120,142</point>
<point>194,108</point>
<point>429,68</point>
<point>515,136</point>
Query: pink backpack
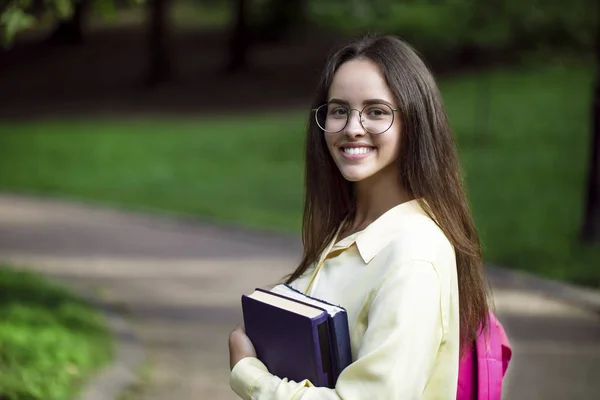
<point>482,369</point>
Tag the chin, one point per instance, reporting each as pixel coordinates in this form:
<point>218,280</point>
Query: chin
<point>355,176</point>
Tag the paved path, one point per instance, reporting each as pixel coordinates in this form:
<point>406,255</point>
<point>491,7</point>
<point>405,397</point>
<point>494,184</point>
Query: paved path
<point>182,282</point>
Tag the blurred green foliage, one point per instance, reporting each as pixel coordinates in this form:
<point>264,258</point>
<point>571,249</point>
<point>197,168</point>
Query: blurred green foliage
<point>441,24</point>
<point>18,15</point>
<point>50,340</point>
<point>455,24</point>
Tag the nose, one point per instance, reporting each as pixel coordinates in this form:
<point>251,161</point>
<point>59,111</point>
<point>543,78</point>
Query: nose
<point>354,128</point>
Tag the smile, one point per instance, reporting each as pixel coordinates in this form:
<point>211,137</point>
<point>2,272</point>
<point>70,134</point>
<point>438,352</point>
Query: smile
<point>356,152</point>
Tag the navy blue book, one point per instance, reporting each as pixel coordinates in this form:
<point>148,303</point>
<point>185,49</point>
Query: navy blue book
<point>296,336</point>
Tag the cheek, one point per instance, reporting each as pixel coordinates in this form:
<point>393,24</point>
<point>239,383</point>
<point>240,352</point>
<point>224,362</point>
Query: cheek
<point>330,142</point>
<point>389,146</point>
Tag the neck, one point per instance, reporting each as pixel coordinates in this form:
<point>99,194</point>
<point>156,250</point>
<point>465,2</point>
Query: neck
<point>375,196</point>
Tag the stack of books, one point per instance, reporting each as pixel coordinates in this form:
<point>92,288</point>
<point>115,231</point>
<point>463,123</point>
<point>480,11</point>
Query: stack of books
<point>297,336</point>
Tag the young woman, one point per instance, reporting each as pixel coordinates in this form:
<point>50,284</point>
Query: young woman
<point>387,233</point>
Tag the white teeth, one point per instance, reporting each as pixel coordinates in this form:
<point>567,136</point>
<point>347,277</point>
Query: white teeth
<point>357,150</point>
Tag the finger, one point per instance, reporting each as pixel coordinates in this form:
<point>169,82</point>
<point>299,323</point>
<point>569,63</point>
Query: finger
<point>236,336</point>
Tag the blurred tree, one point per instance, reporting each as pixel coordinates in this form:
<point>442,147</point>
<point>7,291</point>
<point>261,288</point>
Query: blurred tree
<point>591,220</point>
<point>160,62</point>
<point>279,18</point>
<point>239,41</point>
<point>17,15</point>
<point>460,31</point>
<point>70,30</point>
<point>70,16</point>
<point>449,33</point>
<point>262,21</point>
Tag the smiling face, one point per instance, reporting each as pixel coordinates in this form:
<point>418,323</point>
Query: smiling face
<point>360,155</point>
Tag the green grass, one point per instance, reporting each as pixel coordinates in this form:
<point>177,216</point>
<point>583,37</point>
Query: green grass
<point>244,169</point>
<point>50,340</point>
<point>525,173</point>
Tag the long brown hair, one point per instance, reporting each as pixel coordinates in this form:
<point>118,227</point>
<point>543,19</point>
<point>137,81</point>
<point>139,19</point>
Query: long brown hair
<point>428,168</point>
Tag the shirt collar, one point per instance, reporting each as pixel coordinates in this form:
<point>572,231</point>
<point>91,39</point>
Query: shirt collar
<point>379,233</point>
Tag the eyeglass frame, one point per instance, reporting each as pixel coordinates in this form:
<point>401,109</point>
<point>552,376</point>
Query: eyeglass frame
<point>360,120</point>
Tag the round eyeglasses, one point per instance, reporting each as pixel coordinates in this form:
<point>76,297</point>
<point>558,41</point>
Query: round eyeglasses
<point>375,118</point>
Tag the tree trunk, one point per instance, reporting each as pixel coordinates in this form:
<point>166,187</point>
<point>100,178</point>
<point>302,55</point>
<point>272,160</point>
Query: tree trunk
<point>282,18</point>
<point>71,31</point>
<point>240,41</point>
<point>160,67</point>
<point>591,221</point>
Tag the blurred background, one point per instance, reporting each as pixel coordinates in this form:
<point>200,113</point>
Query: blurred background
<point>200,107</point>
<point>197,108</point>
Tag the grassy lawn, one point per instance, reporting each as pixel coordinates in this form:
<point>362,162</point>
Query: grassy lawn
<point>525,172</point>
<point>50,340</point>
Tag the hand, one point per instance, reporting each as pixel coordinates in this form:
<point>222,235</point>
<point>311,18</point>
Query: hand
<point>240,346</point>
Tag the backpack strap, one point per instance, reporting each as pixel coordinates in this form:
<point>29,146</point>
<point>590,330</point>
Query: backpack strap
<point>493,355</point>
<point>467,376</point>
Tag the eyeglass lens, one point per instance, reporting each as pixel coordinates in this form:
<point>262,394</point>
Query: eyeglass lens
<point>375,118</point>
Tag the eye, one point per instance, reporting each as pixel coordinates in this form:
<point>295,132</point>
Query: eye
<point>338,112</point>
<point>378,111</point>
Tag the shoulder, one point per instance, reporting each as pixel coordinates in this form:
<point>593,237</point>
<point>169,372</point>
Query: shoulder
<point>422,256</point>
<point>418,246</point>
<point>419,239</point>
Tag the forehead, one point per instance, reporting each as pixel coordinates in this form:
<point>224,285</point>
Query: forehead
<point>357,80</point>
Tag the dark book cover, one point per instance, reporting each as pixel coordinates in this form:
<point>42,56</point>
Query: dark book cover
<point>291,345</point>
<point>339,338</point>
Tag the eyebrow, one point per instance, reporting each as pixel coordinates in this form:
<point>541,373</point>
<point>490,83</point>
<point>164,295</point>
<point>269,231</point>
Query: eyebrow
<point>365,102</point>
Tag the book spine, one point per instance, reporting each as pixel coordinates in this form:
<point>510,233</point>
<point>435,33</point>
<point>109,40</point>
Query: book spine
<point>322,352</point>
<point>341,348</point>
